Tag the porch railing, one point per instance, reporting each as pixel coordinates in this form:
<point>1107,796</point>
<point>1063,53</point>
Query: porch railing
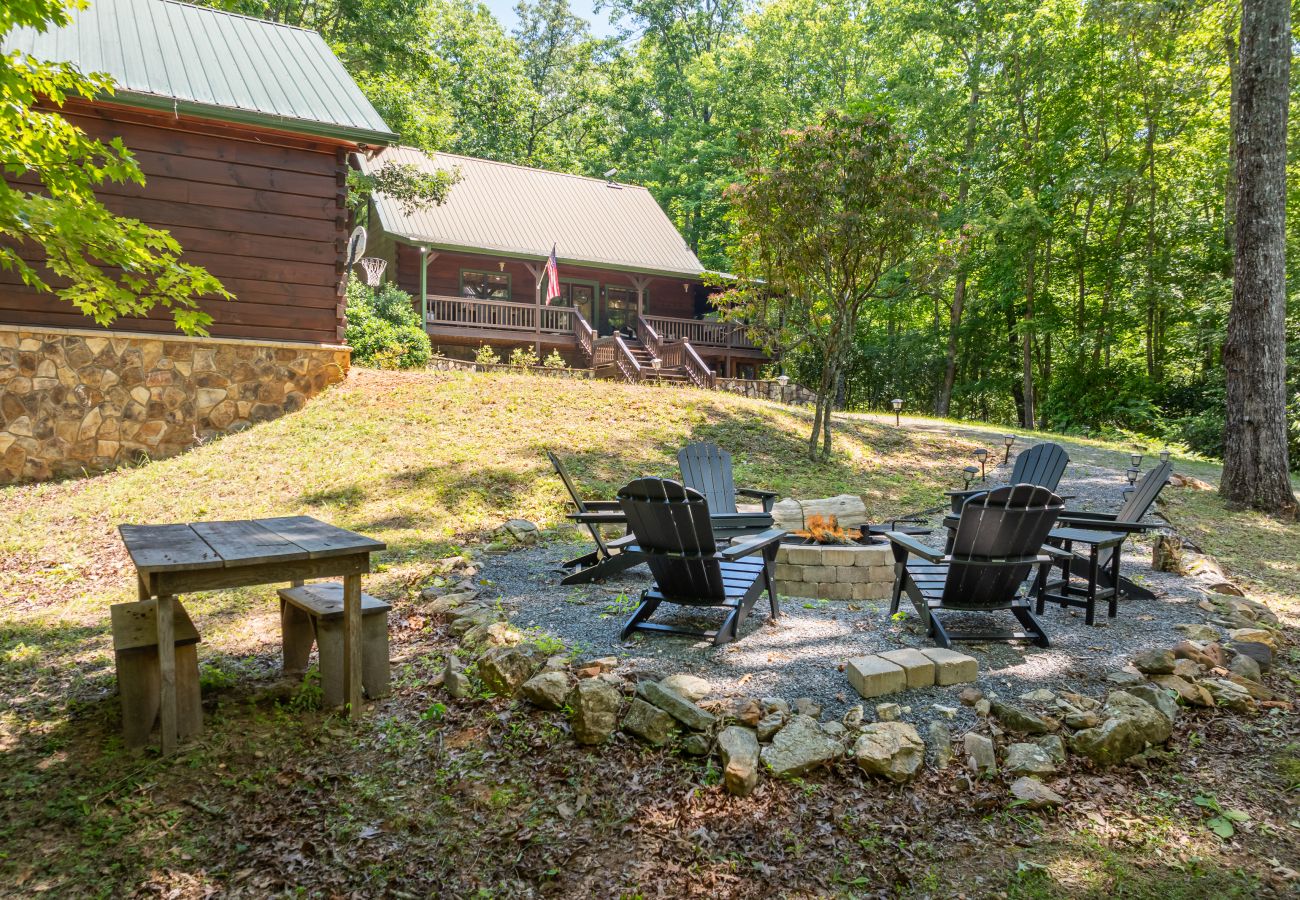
<point>499,315</point>
<point>627,364</point>
<point>699,371</point>
<point>584,336</point>
<point>701,332</point>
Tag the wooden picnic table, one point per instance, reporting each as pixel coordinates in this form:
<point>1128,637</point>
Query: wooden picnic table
<point>206,556</point>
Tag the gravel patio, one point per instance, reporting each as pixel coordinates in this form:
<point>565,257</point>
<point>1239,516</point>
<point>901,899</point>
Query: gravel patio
<point>804,652</point>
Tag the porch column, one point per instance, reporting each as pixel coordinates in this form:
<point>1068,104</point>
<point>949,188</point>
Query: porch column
<point>640,283</point>
<point>539,275</point>
<point>427,256</point>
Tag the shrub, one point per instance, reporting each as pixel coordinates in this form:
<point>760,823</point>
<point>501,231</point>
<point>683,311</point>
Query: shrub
<point>487,356</point>
<point>555,361</point>
<point>384,328</point>
<point>524,357</point>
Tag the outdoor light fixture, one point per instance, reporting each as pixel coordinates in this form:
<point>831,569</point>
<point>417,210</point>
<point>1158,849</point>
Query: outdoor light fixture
<point>897,403</point>
<point>1008,439</point>
<point>969,474</point>
<point>1132,477</point>
<point>783,380</point>
<point>982,455</point>
<point>1136,460</point>
<point>501,267</point>
<point>1164,455</point>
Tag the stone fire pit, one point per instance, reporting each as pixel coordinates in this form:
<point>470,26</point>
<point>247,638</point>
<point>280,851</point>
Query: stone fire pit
<point>855,571</point>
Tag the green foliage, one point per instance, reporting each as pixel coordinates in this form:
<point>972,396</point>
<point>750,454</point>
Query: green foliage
<point>112,266</point>
<point>486,355</point>
<point>413,189</point>
<point>555,361</point>
<point>524,357</point>
<point>384,327</point>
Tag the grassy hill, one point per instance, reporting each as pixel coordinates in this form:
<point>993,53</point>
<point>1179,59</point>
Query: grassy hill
<point>429,463</point>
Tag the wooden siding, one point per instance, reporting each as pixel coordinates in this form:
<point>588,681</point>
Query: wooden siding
<point>664,295</point>
<point>263,211</point>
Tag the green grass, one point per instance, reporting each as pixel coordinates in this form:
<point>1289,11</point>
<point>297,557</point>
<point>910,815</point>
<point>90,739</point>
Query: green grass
<point>462,798</point>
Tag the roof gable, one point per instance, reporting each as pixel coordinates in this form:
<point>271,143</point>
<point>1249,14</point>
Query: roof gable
<point>206,62</point>
<point>516,211</point>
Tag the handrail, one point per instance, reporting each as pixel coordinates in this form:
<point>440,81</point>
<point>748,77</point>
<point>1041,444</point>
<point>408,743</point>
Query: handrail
<point>699,371</point>
<point>649,338</point>
<point>627,363</point>
<point>603,352</point>
<point>585,337</point>
<point>699,331</point>
<point>503,315</point>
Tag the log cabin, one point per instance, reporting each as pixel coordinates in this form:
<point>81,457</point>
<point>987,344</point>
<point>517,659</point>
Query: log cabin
<point>632,302</point>
<point>243,129</point>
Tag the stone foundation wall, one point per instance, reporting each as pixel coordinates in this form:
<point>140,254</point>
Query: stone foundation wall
<point>79,400</point>
<point>768,390</point>
<point>824,572</point>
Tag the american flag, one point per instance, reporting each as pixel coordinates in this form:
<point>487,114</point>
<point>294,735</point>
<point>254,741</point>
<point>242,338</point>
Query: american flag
<point>552,277</point>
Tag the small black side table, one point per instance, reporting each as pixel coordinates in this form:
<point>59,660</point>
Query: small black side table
<point>1086,594</point>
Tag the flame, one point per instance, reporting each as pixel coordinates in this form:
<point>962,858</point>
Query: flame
<point>827,530</point>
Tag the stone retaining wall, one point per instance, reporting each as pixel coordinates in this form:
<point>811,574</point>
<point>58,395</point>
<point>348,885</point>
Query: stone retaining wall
<point>827,572</point>
<point>74,400</point>
<point>768,390</point>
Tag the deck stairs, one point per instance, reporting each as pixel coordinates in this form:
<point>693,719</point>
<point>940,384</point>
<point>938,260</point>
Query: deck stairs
<point>676,375</point>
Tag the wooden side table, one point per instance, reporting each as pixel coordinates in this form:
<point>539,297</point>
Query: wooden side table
<point>1085,595</point>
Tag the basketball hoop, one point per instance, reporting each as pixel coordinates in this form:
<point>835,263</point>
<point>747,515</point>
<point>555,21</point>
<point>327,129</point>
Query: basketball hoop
<point>374,267</point>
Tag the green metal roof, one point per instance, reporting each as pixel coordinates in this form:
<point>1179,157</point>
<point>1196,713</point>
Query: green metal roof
<point>206,62</point>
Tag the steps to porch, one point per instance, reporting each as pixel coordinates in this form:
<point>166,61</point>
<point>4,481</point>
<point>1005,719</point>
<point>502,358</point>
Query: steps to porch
<point>651,367</point>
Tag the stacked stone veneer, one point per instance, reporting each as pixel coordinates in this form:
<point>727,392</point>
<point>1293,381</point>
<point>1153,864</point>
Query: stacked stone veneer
<point>761,389</point>
<point>83,400</point>
<point>828,572</point>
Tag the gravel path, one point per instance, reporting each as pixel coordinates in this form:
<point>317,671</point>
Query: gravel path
<point>801,654</point>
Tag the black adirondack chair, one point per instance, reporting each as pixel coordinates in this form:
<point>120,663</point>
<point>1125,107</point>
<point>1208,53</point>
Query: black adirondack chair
<point>1128,519</point>
<point>1041,464</point>
<point>609,557</point>
<point>673,532</point>
<point>707,468</point>
<point>997,545</point>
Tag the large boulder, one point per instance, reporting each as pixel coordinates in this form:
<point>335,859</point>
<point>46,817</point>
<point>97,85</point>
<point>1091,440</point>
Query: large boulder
<point>1159,697</point>
<point>1013,718</point>
<point>691,687</point>
<point>738,748</point>
<point>649,722</point>
<point>1154,662</point>
<point>503,670</point>
<point>1028,759</point>
<point>1129,725</point>
<point>676,705</point>
<point>595,704</point>
<point>800,747</point>
<point>1034,794</point>
<point>891,749</point>
<point>549,690</point>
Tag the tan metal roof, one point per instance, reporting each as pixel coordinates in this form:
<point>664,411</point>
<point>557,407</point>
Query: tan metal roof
<point>515,211</point>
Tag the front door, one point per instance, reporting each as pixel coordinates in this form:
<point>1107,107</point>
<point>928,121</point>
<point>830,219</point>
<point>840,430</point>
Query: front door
<point>619,313</point>
<point>582,297</point>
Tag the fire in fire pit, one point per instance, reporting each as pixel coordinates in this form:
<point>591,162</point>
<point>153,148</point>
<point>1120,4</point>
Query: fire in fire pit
<point>827,530</point>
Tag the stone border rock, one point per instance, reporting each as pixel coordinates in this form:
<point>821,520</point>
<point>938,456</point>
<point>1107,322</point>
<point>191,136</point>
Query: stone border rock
<point>1027,741</point>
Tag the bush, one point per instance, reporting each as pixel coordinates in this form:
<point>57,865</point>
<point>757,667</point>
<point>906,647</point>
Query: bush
<point>487,356</point>
<point>384,328</point>
<point>555,361</point>
<point>524,357</point>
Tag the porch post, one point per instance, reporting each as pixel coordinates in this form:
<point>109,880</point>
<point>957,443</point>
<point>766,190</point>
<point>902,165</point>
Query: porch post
<point>539,273</point>
<point>426,258</point>
<point>640,284</point>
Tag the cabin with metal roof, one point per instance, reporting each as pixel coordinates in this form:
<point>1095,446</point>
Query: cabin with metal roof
<point>631,292</point>
<point>243,129</point>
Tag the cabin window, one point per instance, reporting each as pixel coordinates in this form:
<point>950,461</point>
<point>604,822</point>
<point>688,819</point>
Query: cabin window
<point>484,285</point>
<point>620,310</point>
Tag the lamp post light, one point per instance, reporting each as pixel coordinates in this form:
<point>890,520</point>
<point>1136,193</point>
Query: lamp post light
<point>1132,477</point>
<point>1008,439</point>
<point>1164,455</point>
<point>982,455</point>
<point>1136,460</point>
<point>897,403</point>
<point>969,474</point>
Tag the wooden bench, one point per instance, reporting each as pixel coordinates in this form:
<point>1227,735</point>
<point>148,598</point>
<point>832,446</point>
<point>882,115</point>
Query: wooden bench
<point>314,613</point>
<point>139,675</point>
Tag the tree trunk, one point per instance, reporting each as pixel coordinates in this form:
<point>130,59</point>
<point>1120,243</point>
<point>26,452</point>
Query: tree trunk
<point>1027,344</point>
<point>1255,466</point>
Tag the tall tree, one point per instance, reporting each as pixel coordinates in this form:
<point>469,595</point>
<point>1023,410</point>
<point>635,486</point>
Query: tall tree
<point>1255,469</point>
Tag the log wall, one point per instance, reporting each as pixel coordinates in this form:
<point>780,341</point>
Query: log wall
<point>263,211</point>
